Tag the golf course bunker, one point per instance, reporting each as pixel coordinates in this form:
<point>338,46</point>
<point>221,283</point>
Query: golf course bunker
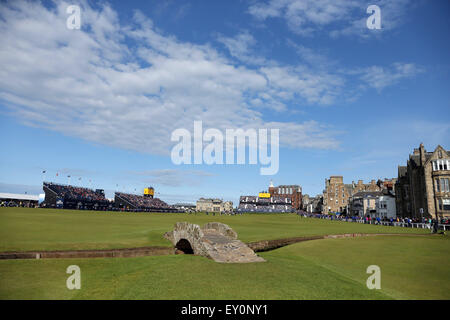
<point>215,240</point>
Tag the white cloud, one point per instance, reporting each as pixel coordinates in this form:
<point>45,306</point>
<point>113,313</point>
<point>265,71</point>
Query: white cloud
<point>315,87</point>
<point>130,86</point>
<point>304,16</point>
<point>379,77</point>
<point>173,177</point>
<point>240,47</point>
<point>91,83</point>
<point>336,17</point>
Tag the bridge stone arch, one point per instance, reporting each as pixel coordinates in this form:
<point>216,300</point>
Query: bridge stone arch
<point>184,246</point>
<point>189,232</point>
<point>215,240</point>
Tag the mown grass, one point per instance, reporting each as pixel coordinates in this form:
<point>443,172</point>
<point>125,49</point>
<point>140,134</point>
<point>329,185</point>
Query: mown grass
<point>411,268</point>
<point>23,229</point>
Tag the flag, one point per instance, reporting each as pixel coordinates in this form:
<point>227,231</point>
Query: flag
<point>57,174</point>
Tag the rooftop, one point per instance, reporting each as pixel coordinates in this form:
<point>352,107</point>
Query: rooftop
<point>18,196</point>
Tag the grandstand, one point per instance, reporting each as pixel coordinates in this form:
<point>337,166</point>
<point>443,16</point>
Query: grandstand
<point>132,202</point>
<point>274,204</point>
<point>18,200</point>
<point>72,197</point>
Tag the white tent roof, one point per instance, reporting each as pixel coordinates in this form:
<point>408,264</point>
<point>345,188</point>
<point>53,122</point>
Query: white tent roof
<point>17,196</point>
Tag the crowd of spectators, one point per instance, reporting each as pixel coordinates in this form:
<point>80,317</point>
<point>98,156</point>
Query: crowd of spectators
<point>142,202</point>
<point>271,208</point>
<point>275,204</point>
<point>68,192</point>
<point>403,222</point>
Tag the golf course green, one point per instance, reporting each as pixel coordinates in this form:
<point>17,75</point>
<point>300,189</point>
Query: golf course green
<point>412,267</point>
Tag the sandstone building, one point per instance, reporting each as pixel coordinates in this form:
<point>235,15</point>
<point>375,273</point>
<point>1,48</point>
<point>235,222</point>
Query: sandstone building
<point>214,205</point>
<point>422,187</point>
<point>337,193</point>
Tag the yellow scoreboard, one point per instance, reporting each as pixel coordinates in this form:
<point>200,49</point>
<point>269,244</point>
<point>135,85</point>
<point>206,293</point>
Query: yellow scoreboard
<point>149,191</point>
<point>264,195</point>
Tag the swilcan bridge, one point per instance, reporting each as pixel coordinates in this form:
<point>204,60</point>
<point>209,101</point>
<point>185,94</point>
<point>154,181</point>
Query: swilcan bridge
<point>214,240</point>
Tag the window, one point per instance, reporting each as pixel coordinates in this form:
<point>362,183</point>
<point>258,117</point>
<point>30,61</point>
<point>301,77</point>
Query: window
<point>444,204</point>
<point>438,187</point>
<point>441,165</point>
<point>444,185</point>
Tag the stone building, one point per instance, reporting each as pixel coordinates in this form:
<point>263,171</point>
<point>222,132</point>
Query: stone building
<point>387,184</point>
<point>363,203</point>
<point>292,192</point>
<point>361,186</point>
<point>422,187</point>
<point>228,206</point>
<point>214,205</point>
<point>337,193</point>
<point>314,204</point>
<point>373,203</point>
<point>385,205</point>
<point>402,193</point>
<point>305,201</point>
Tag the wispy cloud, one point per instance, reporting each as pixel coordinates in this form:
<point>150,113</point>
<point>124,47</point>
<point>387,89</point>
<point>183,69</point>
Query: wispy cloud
<point>121,84</point>
<point>334,17</point>
<point>130,85</point>
<point>380,77</point>
<point>172,177</point>
<point>241,47</point>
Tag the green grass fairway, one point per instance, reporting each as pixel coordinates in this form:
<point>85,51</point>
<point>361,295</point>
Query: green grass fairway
<point>411,268</point>
<point>23,229</point>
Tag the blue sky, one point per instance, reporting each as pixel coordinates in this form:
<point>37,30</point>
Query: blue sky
<point>100,103</point>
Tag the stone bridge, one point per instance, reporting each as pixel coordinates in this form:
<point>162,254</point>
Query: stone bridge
<point>215,240</point>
